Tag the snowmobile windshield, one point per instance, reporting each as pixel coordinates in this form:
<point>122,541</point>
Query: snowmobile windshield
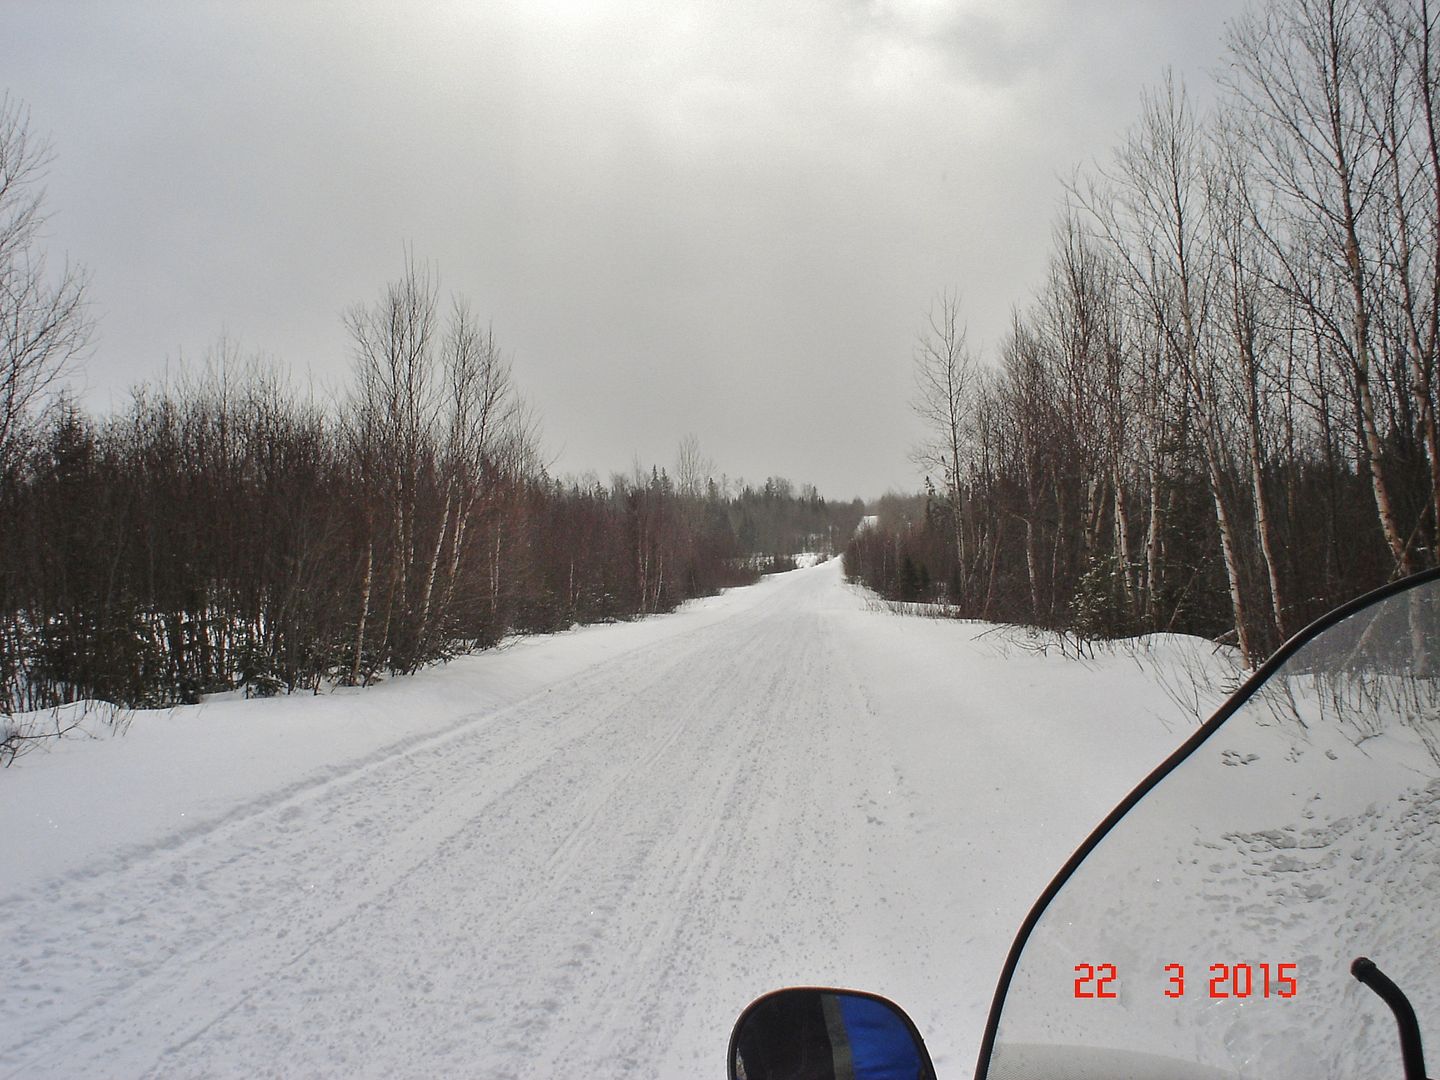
<point>1211,927</point>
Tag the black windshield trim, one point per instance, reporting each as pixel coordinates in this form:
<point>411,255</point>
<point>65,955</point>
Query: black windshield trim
<point>1262,674</point>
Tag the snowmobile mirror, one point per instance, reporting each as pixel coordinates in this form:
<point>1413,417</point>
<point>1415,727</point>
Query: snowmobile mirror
<point>812,1033</point>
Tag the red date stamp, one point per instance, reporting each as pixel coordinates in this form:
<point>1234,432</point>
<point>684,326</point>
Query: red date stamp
<point>1225,981</point>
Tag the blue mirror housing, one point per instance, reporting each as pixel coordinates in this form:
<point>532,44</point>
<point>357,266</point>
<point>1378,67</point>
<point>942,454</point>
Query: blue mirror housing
<point>815,1033</point>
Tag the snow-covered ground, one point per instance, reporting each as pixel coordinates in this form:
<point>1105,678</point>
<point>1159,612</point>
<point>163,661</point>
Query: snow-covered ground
<point>577,856</point>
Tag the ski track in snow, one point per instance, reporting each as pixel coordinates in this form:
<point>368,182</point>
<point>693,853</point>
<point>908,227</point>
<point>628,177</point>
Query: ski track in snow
<point>591,881</point>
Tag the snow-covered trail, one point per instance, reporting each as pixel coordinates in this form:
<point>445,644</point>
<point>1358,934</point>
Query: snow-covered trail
<point>592,880</point>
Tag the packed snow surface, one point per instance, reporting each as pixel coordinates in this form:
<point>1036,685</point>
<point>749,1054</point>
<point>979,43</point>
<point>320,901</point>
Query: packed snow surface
<point>578,856</point>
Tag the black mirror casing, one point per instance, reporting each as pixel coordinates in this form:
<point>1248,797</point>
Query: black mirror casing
<point>821,1033</point>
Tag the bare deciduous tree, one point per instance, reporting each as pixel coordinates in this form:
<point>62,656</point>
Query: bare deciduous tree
<point>1308,71</point>
<point>944,370</point>
<point>43,321</point>
<point>1242,337</point>
<point>692,468</point>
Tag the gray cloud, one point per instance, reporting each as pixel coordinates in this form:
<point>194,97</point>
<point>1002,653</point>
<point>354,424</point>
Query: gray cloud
<point>725,218</point>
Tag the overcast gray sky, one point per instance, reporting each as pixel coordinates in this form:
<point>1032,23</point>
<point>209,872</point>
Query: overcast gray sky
<point>725,218</point>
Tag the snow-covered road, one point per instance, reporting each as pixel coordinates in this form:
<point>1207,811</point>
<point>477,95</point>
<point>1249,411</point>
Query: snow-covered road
<point>590,874</point>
